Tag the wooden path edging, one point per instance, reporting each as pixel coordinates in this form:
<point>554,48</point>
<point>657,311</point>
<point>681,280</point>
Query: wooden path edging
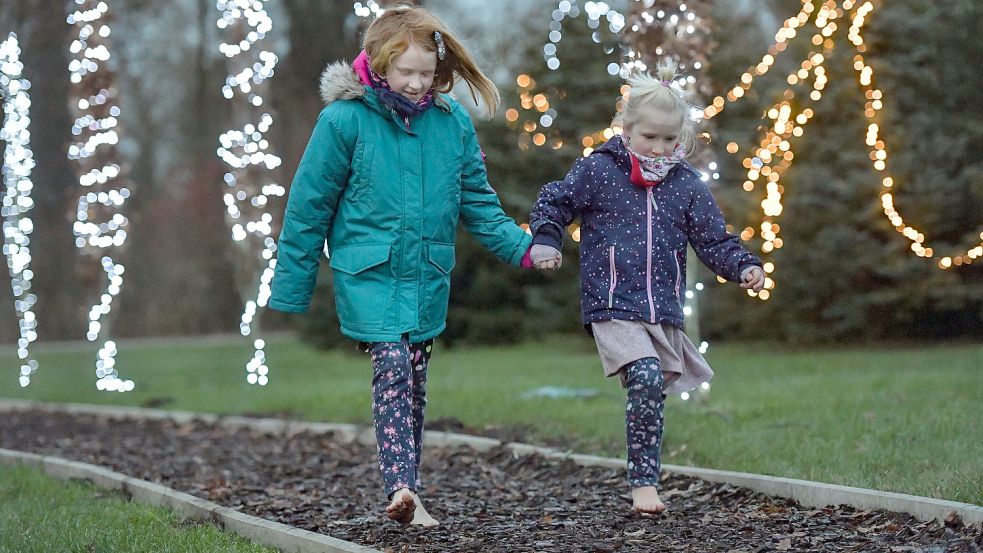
<point>808,493</point>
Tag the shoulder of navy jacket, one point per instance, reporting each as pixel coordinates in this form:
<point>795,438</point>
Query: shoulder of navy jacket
<point>685,166</point>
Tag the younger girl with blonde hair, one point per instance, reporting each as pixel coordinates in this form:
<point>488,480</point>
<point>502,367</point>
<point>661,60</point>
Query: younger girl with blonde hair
<point>392,166</point>
<point>640,204</point>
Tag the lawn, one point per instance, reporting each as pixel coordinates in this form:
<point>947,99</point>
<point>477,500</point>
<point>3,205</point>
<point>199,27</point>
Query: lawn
<point>902,419</point>
<point>39,514</point>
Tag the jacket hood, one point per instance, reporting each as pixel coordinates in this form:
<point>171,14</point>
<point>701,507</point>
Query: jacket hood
<point>615,147</point>
<point>340,82</point>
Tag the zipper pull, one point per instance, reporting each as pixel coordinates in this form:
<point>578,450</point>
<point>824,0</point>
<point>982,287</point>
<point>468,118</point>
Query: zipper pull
<point>655,204</point>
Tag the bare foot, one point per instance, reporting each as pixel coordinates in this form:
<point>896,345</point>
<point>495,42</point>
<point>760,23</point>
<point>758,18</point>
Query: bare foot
<point>402,506</point>
<point>645,500</point>
<point>420,516</point>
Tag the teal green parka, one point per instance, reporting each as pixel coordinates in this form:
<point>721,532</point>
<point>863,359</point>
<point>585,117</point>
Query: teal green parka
<point>387,197</point>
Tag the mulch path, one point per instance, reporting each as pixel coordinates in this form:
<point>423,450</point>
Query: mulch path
<point>487,502</point>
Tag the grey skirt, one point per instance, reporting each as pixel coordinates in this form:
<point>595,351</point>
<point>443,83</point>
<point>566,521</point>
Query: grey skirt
<point>622,342</point>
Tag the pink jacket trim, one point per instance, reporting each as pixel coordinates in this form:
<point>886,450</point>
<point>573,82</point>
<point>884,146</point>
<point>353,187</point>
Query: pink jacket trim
<point>361,67</point>
<point>526,262</point>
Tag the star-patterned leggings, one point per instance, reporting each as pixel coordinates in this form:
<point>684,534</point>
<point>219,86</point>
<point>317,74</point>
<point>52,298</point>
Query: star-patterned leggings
<point>399,396</point>
<point>643,421</point>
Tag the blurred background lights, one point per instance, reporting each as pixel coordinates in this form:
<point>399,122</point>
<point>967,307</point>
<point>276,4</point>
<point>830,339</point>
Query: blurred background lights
<point>18,161</point>
<point>246,153</point>
<point>368,9</point>
<point>767,161</point>
<point>99,223</point>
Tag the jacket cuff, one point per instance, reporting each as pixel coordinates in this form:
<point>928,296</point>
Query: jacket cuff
<point>548,235</point>
<point>286,307</point>
<point>746,268</point>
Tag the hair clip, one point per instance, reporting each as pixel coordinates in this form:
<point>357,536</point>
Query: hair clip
<point>441,48</point>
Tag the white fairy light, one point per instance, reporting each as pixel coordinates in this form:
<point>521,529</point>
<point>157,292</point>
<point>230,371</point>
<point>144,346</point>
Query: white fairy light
<point>18,161</point>
<point>371,8</point>
<point>246,152</point>
<point>99,223</point>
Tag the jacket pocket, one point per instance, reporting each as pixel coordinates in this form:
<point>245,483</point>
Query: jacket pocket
<point>363,285</point>
<point>437,283</point>
<point>441,256</point>
<point>354,259</point>
<point>613,277</point>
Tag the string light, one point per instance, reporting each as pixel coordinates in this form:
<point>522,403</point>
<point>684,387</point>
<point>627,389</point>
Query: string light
<point>99,224</point>
<point>775,153</point>
<point>368,9</point>
<point>18,161</point>
<point>246,152</point>
<point>677,21</point>
<point>878,151</point>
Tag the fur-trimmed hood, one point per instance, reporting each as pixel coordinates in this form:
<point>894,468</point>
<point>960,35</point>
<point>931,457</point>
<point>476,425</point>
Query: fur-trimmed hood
<point>340,82</point>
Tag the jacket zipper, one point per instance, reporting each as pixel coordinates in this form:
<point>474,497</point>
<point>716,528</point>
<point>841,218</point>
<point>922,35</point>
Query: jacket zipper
<point>648,265</point>
<point>679,278</point>
<point>613,279</point>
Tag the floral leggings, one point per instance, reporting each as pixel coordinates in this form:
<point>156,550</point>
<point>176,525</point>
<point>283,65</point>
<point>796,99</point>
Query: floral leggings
<point>399,396</point>
<point>644,421</point>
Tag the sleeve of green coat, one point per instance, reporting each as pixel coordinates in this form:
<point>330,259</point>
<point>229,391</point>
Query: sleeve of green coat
<point>314,193</point>
<point>481,210</point>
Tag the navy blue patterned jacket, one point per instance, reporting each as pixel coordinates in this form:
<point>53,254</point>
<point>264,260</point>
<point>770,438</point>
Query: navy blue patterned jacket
<point>633,238</point>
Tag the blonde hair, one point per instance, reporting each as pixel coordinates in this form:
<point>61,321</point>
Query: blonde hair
<point>661,92</point>
<point>402,24</point>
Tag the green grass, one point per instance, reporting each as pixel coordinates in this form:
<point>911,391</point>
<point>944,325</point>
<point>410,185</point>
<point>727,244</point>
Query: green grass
<point>906,420</point>
<point>41,514</point>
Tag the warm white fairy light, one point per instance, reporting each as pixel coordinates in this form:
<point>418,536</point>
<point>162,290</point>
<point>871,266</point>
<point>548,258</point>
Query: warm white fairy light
<point>774,155</point>
<point>99,224</point>
<point>775,152</point>
<point>247,154</point>
<point>537,112</point>
<point>535,115</point>
<point>18,161</point>
<point>878,152</point>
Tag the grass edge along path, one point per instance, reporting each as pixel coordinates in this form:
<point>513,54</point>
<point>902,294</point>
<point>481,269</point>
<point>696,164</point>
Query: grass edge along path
<point>897,419</point>
<point>41,514</point>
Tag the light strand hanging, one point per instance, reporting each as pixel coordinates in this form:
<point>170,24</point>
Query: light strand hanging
<point>878,151</point>
<point>371,8</point>
<point>18,161</point>
<point>100,225</point>
<point>775,152</point>
<point>246,152</point>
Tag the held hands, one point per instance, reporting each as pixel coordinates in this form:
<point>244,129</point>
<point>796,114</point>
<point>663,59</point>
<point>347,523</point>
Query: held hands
<point>545,257</point>
<point>753,278</point>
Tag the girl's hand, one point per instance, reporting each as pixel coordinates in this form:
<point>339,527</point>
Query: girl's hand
<point>754,279</point>
<point>545,257</point>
